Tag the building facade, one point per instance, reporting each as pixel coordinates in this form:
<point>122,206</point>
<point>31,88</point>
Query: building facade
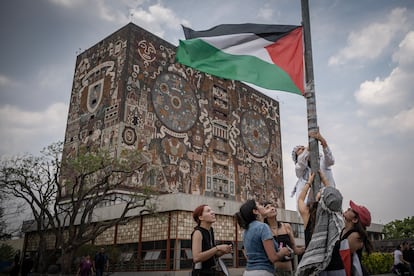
<point>213,137</point>
<point>218,143</point>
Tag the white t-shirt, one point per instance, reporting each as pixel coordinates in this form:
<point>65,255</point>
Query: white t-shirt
<point>397,256</point>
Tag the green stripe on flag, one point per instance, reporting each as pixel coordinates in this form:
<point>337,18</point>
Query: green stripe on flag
<point>198,54</point>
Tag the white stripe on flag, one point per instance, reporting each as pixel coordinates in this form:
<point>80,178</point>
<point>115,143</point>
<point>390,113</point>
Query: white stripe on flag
<point>231,44</point>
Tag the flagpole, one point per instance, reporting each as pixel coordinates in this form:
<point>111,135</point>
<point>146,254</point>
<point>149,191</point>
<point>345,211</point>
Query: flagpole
<point>310,99</point>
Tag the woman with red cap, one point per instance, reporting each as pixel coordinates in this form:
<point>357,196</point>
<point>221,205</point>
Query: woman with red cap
<point>347,253</point>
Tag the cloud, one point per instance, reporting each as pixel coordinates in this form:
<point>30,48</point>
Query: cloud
<point>24,131</point>
<point>75,4</point>
<point>157,18</point>
<point>382,92</point>
<point>66,3</point>
<point>105,10</point>
<point>388,103</point>
<point>401,122</point>
<point>371,41</point>
<point>7,82</point>
<point>404,57</point>
<point>51,77</point>
<point>265,12</point>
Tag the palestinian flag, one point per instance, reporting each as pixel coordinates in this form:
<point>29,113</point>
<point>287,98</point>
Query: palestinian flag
<point>269,56</point>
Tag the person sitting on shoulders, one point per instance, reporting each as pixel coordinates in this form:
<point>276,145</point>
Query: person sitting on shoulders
<point>301,155</point>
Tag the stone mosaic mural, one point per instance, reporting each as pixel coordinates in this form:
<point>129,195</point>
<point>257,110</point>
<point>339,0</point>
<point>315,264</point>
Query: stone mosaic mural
<point>213,137</point>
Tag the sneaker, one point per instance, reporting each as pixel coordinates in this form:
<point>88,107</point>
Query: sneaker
<point>395,271</point>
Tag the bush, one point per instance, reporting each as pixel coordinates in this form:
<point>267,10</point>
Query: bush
<point>6,258</point>
<point>377,262</point>
<point>6,252</point>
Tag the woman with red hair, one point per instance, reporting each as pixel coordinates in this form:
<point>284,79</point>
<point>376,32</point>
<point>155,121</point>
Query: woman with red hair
<point>204,248</point>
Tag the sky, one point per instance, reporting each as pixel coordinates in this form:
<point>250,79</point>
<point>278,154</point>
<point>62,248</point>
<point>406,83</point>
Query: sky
<point>363,62</point>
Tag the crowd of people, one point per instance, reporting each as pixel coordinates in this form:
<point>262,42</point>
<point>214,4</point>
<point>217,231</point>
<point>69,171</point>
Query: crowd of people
<point>334,239</point>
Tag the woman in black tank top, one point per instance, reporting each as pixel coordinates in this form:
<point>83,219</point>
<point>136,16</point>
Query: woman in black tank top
<point>204,248</point>
<point>283,235</point>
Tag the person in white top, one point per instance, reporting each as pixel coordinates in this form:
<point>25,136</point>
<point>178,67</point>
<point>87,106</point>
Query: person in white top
<point>300,156</point>
<point>401,265</point>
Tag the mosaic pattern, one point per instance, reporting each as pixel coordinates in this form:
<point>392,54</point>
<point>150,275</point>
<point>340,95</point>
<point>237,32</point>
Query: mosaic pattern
<point>208,136</point>
<point>129,135</point>
<point>155,228</point>
<point>107,237</point>
<point>255,134</point>
<point>174,102</point>
<point>185,226</point>
<point>224,228</point>
<point>128,233</point>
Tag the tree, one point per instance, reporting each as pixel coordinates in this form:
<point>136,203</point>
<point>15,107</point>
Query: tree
<point>65,194</point>
<point>8,230</point>
<point>4,235</point>
<point>399,229</point>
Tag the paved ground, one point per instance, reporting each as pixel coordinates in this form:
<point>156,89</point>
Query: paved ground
<point>168,273</point>
<point>233,272</point>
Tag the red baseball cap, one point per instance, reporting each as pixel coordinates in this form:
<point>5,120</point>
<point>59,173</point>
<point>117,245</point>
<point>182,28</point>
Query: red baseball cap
<point>363,214</point>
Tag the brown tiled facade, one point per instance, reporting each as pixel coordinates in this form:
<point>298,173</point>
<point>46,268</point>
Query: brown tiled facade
<point>213,137</point>
<point>154,237</point>
<point>216,140</point>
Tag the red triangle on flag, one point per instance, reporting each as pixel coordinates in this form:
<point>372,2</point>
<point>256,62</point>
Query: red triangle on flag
<point>287,53</point>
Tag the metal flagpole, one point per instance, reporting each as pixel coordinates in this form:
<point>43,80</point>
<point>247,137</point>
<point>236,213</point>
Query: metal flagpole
<point>310,99</point>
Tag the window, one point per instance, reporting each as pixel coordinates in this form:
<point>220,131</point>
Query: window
<point>188,253</point>
<point>152,255</point>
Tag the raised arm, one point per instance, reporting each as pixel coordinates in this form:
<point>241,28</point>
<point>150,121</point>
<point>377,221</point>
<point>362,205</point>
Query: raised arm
<point>324,180</point>
<point>329,160</point>
<point>302,207</point>
<point>318,136</point>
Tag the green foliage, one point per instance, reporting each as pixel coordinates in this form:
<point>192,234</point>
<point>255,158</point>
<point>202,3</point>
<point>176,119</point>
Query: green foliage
<point>377,262</point>
<point>399,229</point>
<point>113,254</point>
<point>65,189</point>
<point>86,249</point>
<point>6,252</point>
